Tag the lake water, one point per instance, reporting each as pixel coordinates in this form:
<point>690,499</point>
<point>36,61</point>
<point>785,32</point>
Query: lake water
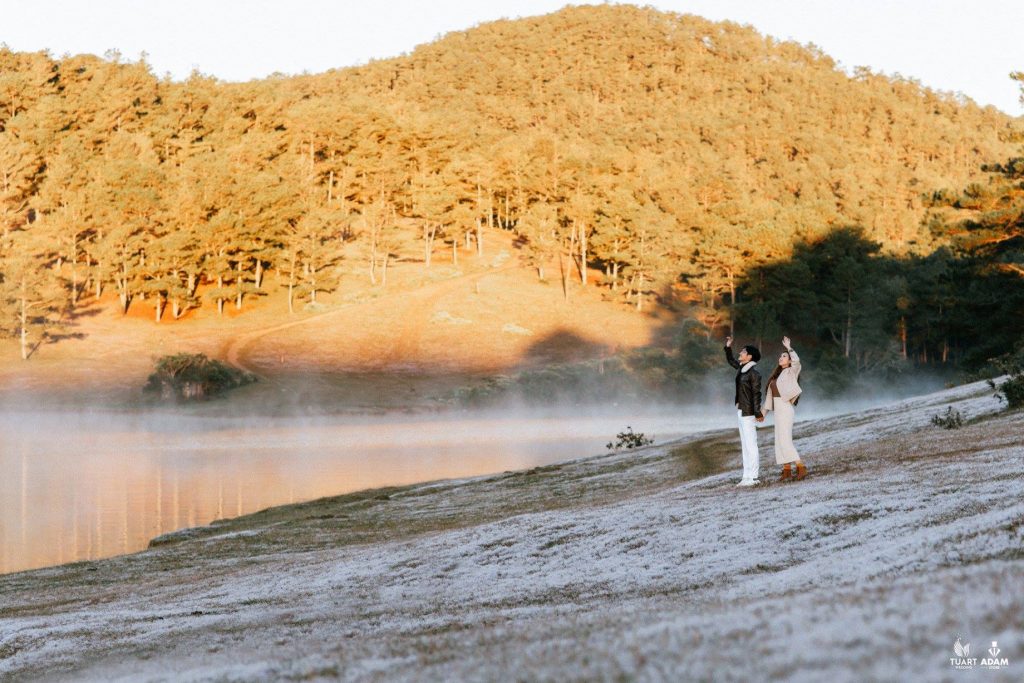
<point>77,486</point>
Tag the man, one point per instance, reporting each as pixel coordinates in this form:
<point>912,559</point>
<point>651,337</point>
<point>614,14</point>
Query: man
<point>748,406</point>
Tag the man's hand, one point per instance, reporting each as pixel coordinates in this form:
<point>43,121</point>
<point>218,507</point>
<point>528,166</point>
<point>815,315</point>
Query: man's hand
<point>785,342</point>
<point>760,418</point>
<point>728,341</point>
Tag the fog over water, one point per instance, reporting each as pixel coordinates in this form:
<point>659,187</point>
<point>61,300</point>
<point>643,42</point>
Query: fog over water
<point>77,485</point>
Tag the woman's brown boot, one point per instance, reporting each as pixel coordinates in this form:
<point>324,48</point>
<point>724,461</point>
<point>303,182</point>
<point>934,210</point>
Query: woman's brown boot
<point>801,471</point>
<point>787,473</point>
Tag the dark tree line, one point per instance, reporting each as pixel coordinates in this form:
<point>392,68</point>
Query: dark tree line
<point>858,309</point>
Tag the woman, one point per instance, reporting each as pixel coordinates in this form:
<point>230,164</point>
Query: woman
<point>781,396</point>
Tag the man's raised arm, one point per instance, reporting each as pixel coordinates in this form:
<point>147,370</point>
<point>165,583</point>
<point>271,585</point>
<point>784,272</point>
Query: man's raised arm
<point>728,354</point>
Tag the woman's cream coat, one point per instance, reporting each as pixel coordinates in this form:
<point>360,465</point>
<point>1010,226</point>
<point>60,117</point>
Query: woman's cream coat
<point>786,383</point>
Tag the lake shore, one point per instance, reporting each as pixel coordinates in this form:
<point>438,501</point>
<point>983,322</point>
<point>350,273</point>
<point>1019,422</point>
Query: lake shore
<point>638,565</point>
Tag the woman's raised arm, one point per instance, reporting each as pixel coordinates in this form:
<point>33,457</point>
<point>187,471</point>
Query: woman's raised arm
<point>794,359</point>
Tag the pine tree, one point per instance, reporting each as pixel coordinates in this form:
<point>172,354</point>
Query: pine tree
<point>32,298</point>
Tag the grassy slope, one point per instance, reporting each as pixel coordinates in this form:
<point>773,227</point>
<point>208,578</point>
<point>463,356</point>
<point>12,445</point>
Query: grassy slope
<point>432,330</point>
<point>643,564</point>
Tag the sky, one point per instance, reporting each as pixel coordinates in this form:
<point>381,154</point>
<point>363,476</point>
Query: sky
<point>947,45</point>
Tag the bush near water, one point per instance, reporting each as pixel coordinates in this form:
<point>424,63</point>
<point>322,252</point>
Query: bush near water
<point>192,377</point>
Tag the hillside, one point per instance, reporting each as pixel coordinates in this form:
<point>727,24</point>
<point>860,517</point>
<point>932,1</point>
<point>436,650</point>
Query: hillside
<point>639,565</point>
<point>424,337</point>
<point>715,124</point>
<point>653,156</point>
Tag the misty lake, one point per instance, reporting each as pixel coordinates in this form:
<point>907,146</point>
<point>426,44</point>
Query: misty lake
<point>78,486</point>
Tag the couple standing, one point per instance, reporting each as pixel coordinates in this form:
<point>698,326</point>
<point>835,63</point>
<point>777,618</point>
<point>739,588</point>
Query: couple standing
<point>781,395</point>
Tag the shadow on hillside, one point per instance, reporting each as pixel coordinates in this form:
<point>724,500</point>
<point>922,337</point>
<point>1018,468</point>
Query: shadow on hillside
<point>856,312</point>
<point>65,329</point>
<point>564,346</point>
<point>866,323</point>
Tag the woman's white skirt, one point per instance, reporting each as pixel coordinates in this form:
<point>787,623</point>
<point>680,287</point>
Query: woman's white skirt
<point>785,451</point>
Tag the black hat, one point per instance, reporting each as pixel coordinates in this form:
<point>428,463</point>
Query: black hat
<point>754,353</point>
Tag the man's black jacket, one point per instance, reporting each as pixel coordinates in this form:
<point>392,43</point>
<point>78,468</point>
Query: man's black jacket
<point>748,386</point>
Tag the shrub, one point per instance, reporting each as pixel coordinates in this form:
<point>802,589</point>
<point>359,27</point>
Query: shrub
<point>951,420</point>
<point>629,440</point>
<point>193,376</point>
<point>1011,390</point>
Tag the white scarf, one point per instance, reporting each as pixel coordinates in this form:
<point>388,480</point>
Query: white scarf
<point>749,365</point>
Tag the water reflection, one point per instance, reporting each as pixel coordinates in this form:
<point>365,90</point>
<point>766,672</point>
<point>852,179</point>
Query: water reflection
<point>75,487</point>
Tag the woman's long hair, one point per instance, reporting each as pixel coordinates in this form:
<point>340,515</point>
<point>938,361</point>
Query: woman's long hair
<point>775,375</point>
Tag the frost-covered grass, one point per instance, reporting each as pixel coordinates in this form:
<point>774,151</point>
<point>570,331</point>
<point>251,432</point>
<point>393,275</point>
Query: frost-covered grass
<point>646,565</point>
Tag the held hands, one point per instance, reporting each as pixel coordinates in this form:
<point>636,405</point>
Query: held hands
<point>760,418</point>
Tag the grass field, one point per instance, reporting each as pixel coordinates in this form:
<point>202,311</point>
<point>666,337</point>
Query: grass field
<point>644,565</point>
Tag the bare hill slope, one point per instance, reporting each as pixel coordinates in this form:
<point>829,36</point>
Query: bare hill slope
<point>438,328</point>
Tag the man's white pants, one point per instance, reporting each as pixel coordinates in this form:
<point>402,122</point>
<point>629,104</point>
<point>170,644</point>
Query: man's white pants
<point>748,441</point>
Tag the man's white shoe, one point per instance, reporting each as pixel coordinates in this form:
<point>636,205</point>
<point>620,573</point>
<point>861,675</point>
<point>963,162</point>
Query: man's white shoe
<point>749,482</point>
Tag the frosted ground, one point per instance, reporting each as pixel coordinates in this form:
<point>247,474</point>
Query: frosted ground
<point>643,566</point>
